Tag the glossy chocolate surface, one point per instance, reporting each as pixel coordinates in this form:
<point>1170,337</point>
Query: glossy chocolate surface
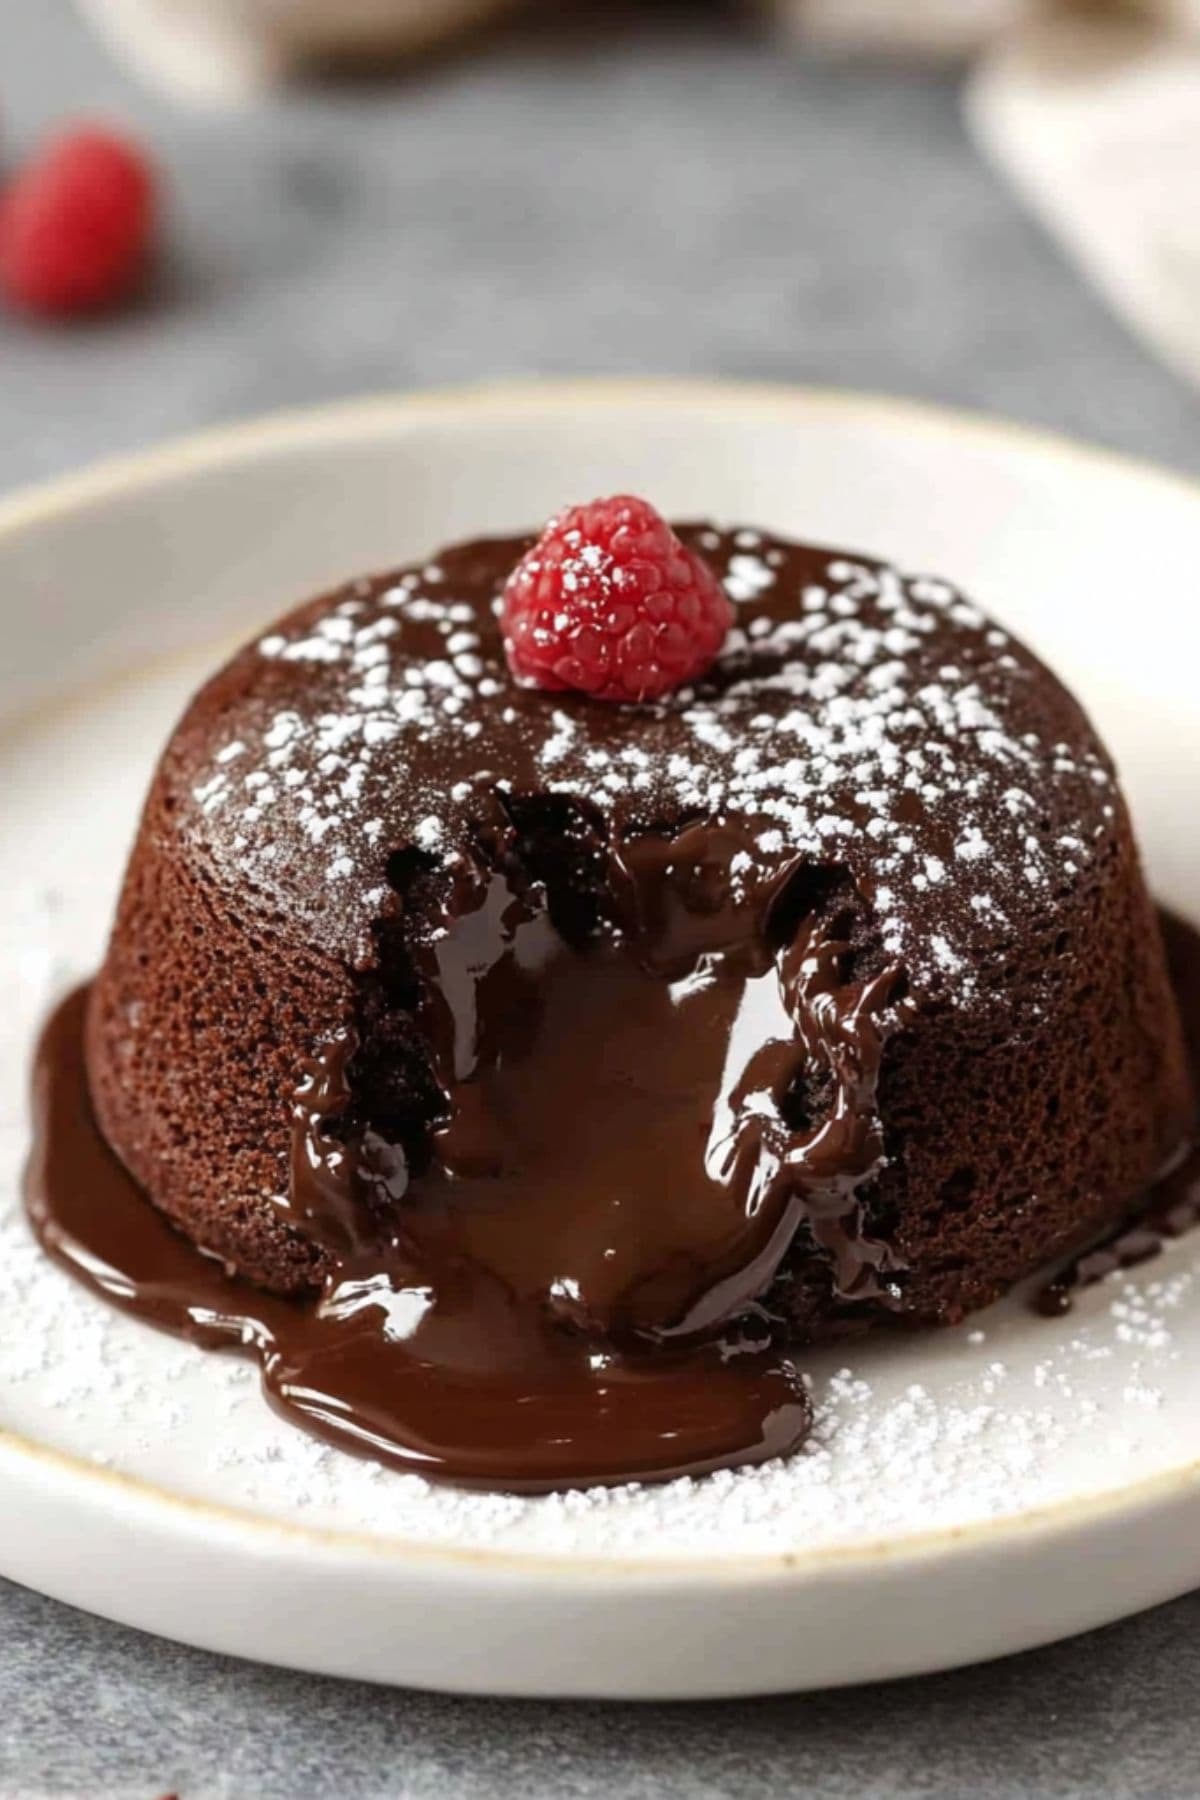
<point>567,1292</point>
<point>465,1384</point>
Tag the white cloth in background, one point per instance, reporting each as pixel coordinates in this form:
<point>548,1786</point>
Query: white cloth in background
<point>1092,110</point>
<point>1098,125</point>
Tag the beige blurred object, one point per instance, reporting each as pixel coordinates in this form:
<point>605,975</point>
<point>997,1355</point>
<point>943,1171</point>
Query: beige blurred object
<point>1184,14</point>
<point>228,50</point>
<point>957,28</point>
<point>919,28</point>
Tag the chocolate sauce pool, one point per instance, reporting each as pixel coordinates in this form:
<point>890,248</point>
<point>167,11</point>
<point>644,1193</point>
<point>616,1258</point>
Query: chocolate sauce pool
<point>521,1327</point>
<point>467,1390</point>
<point>565,1293</point>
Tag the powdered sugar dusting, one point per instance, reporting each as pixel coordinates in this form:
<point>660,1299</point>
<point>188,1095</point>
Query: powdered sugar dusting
<point>862,715</point>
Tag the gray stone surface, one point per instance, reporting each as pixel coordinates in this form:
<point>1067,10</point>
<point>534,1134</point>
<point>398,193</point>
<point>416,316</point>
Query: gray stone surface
<point>671,197</point>
<point>93,1710</point>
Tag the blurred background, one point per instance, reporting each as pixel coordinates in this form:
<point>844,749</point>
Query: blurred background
<point>985,202</point>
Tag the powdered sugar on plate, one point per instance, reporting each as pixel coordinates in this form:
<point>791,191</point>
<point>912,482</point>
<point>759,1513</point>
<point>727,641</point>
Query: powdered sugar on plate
<point>1008,1413</point>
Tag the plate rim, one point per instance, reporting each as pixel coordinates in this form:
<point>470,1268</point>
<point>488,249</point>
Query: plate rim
<point>1157,1493</point>
<point>351,418</point>
<point>356,415</point>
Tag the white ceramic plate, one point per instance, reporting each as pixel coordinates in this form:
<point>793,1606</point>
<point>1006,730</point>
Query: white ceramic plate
<point>968,1494</point>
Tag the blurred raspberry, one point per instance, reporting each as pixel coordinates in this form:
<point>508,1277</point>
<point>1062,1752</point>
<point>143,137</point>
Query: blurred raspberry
<point>75,224</point>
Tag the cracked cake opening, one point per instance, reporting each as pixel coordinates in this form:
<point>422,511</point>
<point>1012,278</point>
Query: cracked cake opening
<point>613,1123</point>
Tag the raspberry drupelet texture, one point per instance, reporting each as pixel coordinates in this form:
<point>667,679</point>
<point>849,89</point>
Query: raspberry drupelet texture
<point>609,602</point>
<point>75,224</point>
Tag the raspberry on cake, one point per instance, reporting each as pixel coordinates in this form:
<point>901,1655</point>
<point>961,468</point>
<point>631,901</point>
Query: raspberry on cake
<point>609,602</point>
<point>564,1062</point>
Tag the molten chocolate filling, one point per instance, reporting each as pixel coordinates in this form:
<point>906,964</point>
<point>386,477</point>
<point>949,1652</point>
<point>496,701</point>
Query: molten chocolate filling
<point>557,1282</point>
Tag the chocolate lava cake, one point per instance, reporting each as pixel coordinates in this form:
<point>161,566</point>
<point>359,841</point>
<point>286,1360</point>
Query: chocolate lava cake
<point>822,990</point>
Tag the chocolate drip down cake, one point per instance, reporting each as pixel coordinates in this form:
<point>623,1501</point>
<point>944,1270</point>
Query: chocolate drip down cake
<point>555,982</point>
